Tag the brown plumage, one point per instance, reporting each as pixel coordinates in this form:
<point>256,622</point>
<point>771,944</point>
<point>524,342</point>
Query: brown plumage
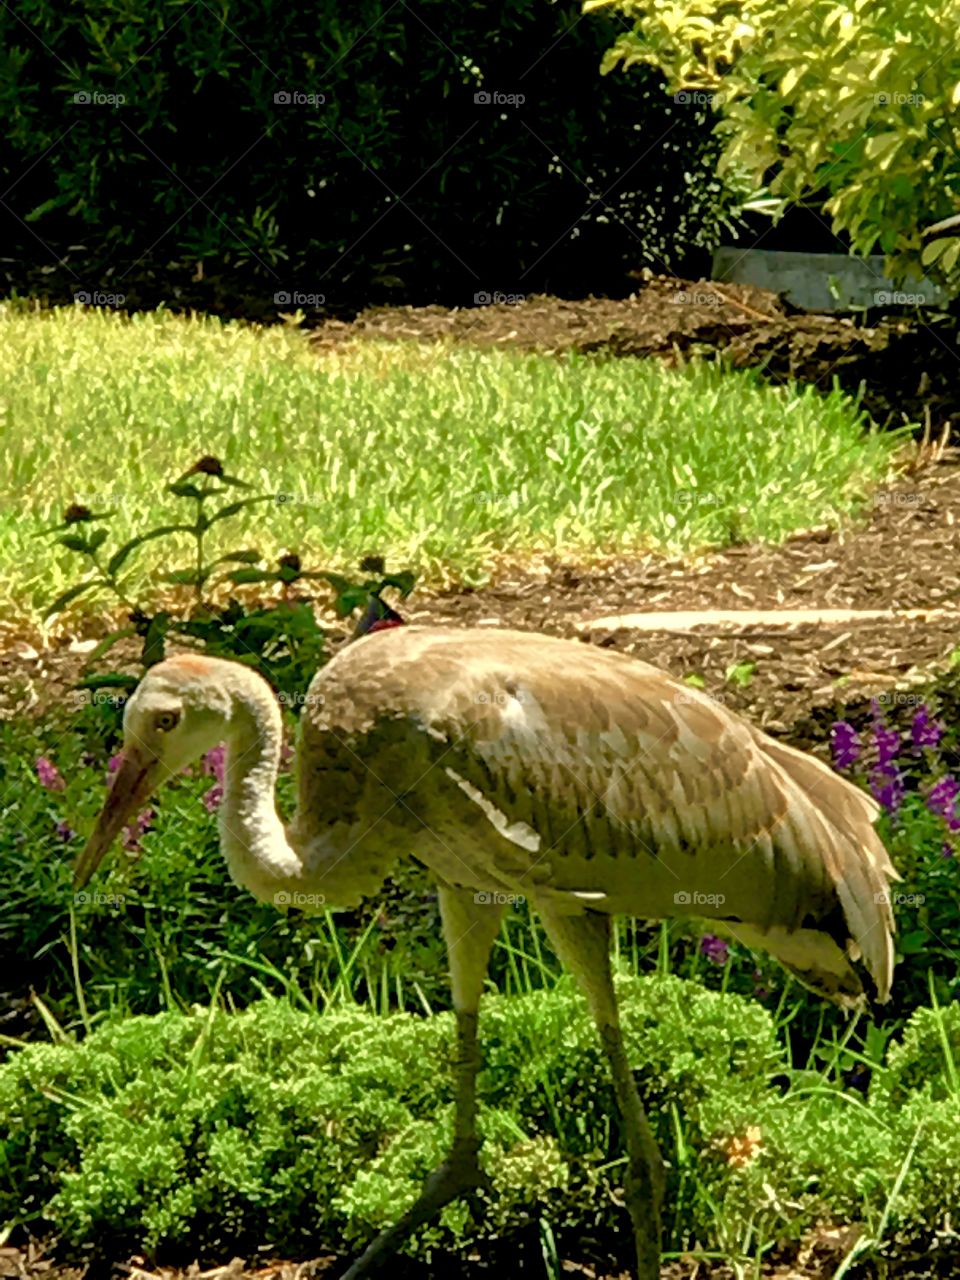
<point>570,774</point>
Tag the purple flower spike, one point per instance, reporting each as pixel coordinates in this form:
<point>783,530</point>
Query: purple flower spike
<point>885,739</point>
<point>214,761</point>
<point>946,850</point>
<point>714,948</point>
<point>65,831</point>
<point>49,774</point>
<point>924,731</point>
<point>213,797</point>
<point>942,796</point>
<point>845,742</point>
<point>886,785</point>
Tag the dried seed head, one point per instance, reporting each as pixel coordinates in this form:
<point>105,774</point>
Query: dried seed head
<point>208,466</point>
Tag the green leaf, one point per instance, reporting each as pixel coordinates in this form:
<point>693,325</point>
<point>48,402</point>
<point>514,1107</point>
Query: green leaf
<point>154,642</point>
<point>182,577</point>
<point>74,542</point>
<point>404,581</point>
<point>119,556</point>
<point>336,580</point>
<point>352,598</point>
<point>239,557</point>
<point>108,680</point>
<point>935,249</point>
<point>72,593</point>
<point>241,576</point>
<point>740,673</point>
<point>232,508</point>
<point>912,943</point>
<point>185,489</point>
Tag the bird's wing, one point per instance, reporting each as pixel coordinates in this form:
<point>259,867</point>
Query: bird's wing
<point>624,789</point>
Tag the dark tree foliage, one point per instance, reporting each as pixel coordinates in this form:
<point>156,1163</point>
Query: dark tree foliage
<point>145,134</point>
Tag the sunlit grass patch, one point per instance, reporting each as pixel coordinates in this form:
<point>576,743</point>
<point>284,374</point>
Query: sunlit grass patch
<point>444,458</point>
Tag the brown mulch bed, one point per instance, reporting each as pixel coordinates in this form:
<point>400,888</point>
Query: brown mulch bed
<point>817,1257</point>
<point>906,367</point>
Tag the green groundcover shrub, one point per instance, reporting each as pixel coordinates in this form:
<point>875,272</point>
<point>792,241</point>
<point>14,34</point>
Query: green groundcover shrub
<point>193,1133</point>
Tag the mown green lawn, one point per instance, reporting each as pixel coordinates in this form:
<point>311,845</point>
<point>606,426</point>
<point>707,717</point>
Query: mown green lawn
<point>446,459</point>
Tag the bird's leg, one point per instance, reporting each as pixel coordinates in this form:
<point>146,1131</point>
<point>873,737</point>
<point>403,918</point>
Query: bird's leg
<point>471,922</point>
<point>582,942</point>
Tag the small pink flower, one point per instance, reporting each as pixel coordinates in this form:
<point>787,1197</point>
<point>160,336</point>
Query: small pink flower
<point>213,762</point>
<point>212,798</point>
<point>49,774</point>
<point>133,832</point>
<point>114,763</point>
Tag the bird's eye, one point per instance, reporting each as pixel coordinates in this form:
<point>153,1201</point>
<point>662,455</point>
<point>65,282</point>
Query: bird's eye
<point>167,720</point>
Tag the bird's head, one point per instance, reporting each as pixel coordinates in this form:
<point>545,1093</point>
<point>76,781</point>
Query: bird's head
<point>179,710</point>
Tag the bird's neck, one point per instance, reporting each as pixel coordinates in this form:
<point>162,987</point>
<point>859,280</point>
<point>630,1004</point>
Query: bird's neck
<point>252,836</point>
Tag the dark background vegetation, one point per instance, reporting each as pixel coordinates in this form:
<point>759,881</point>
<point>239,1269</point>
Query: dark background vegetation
<point>400,187</point>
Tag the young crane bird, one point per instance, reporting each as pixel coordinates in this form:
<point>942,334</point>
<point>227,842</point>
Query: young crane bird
<point>515,764</point>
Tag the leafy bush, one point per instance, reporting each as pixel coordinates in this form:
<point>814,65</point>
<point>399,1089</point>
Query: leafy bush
<point>206,1130</point>
<point>836,100</point>
<point>283,641</point>
<point>343,198</point>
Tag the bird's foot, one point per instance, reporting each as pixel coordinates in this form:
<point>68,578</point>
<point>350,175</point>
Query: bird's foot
<point>459,1174</point>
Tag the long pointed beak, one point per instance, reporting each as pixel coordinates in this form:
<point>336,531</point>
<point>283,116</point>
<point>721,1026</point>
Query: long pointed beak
<point>132,784</point>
